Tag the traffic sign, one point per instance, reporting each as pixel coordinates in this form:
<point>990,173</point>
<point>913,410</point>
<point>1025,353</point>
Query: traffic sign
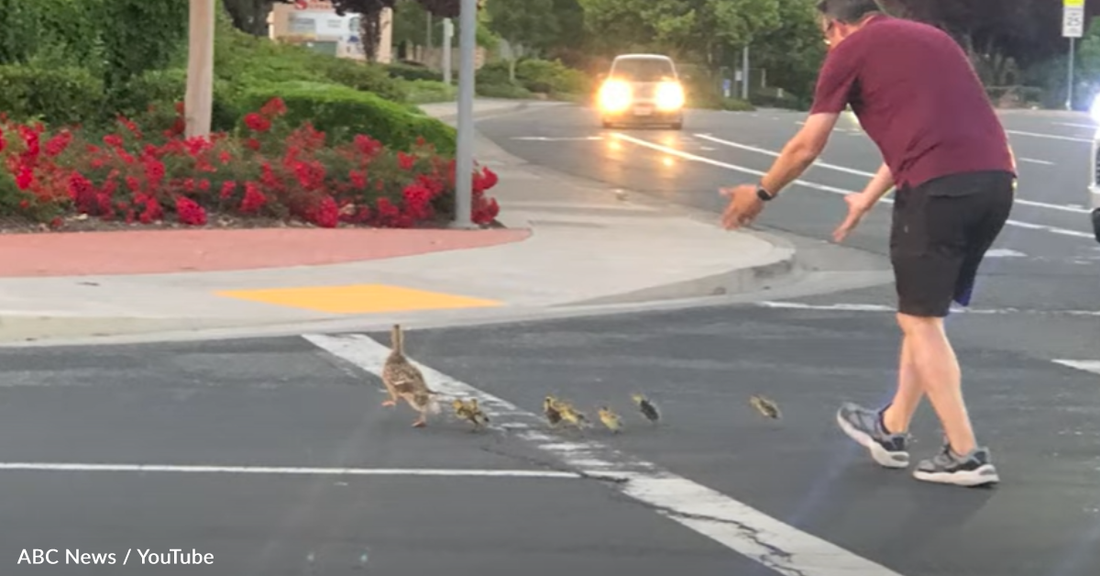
<point>1073,19</point>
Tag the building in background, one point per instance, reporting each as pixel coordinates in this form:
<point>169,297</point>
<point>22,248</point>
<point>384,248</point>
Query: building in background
<point>315,24</point>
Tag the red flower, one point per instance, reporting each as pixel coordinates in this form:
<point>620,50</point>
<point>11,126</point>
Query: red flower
<point>151,211</point>
<point>190,213</point>
<point>417,201</point>
<point>58,143</point>
<point>252,143</point>
<point>405,161</point>
<point>228,188</point>
<point>358,179</point>
<point>327,214</point>
<point>274,107</point>
<point>25,178</point>
<point>224,157</point>
<point>367,145</point>
<point>257,123</point>
<point>253,200</point>
<point>113,140</point>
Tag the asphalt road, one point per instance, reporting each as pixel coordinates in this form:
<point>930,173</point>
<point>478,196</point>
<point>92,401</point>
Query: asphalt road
<point>293,403</point>
<point>1046,260</point>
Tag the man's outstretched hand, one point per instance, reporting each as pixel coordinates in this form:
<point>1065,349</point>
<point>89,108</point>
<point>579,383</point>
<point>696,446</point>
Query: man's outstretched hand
<point>743,208</point>
<point>858,205</point>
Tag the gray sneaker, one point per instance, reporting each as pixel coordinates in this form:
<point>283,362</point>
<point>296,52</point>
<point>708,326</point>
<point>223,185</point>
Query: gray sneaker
<point>973,469</point>
<point>865,426</point>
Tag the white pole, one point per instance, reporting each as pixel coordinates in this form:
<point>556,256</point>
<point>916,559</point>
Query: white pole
<point>465,152</point>
<point>448,42</point>
<point>1069,84</point>
<point>199,100</point>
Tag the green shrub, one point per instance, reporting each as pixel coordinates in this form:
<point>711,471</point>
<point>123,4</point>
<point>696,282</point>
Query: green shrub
<point>162,89</point>
<point>504,90</point>
<point>551,77</point>
<point>362,76</point>
<point>428,91</point>
<point>493,73</point>
<point>411,72</point>
<point>737,105</point>
<point>56,96</point>
<point>342,112</point>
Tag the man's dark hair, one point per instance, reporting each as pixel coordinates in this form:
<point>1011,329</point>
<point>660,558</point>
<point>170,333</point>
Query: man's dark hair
<point>848,11</point>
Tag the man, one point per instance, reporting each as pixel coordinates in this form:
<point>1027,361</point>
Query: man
<point>918,97</point>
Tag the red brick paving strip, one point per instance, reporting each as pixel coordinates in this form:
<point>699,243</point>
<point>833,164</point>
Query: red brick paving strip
<point>168,251</point>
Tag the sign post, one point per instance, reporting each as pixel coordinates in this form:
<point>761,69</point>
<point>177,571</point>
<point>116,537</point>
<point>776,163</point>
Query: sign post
<point>1073,27</point>
<point>464,161</point>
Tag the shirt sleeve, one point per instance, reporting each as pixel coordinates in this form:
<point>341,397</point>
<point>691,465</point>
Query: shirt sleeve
<point>835,83</point>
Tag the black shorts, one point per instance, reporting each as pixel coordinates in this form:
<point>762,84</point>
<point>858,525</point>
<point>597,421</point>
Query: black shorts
<point>941,231</point>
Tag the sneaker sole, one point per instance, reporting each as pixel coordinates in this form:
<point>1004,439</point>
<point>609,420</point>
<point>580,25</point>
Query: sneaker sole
<point>882,456</point>
<point>984,475</point>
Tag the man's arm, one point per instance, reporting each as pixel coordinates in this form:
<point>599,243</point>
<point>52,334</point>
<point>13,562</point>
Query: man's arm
<point>882,183</point>
<point>800,152</point>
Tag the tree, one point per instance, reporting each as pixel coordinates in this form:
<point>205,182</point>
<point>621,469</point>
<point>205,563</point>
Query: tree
<point>251,15</point>
<point>523,24</point>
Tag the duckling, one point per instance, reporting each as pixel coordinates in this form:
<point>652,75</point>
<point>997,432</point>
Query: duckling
<point>572,415</point>
<point>610,419</point>
<point>550,409</point>
<point>647,408</point>
<point>766,407</point>
<point>469,410</point>
<point>404,381</point>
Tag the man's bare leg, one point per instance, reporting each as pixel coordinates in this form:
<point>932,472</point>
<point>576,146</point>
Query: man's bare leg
<point>899,413</point>
<point>938,374</point>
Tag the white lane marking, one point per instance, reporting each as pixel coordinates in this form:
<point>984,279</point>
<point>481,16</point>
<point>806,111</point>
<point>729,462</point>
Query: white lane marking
<point>773,153</point>
<point>1077,125</point>
<point>1034,161</point>
<point>747,531</point>
<point>1086,365</point>
<point>558,139</point>
<point>823,187</point>
<point>277,470</point>
<point>842,307</point>
<point>1050,136</point>
<point>1004,253</point>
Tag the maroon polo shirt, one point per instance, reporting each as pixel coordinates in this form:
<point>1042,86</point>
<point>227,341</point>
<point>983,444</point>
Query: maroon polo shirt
<point>917,96</point>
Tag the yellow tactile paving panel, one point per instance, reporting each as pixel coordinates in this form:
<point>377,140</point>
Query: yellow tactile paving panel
<point>359,299</point>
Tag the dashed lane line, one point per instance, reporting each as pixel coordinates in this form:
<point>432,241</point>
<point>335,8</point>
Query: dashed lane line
<point>783,548</point>
<point>823,187</point>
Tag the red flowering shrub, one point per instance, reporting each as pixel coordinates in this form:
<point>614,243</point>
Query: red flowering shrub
<point>271,170</point>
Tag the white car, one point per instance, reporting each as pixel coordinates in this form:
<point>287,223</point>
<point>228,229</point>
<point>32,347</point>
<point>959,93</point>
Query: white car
<point>642,89</point>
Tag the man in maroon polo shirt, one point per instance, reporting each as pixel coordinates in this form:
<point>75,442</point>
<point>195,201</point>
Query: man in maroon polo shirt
<point>917,96</point>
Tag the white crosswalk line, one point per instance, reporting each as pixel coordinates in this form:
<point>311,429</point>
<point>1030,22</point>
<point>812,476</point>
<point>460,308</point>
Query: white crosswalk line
<point>1086,365</point>
<point>783,548</point>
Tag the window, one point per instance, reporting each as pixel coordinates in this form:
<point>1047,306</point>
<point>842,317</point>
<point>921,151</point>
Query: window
<point>642,69</point>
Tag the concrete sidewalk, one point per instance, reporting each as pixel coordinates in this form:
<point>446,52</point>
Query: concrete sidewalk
<point>587,245</point>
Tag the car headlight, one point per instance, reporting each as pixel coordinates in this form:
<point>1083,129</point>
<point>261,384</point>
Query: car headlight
<point>615,96</point>
<point>670,96</point>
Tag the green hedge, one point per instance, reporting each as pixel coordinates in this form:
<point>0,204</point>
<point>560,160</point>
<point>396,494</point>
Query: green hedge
<point>411,72</point>
<point>342,112</point>
<point>57,96</point>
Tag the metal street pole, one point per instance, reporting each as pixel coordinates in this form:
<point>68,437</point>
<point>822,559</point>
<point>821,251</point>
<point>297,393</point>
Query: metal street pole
<point>199,99</point>
<point>464,165</point>
<point>745,73</point>
<point>1069,82</point>
<point>448,42</point>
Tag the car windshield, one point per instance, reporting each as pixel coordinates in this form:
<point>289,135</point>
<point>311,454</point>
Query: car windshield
<point>642,69</point>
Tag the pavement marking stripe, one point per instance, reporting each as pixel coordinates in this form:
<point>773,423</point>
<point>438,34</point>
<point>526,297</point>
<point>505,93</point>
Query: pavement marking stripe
<point>1086,365</point>
<point>272,470</point>
<point>359,299</point>
<point>1050,136</point>
<point>752,533</point>
<point>1059,207</point>
<point>824,188</point>
<point>841,307</point>
<point>1035,161</point>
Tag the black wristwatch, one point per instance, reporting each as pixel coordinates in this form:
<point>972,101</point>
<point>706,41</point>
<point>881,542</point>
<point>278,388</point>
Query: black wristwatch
<point>762,194</point>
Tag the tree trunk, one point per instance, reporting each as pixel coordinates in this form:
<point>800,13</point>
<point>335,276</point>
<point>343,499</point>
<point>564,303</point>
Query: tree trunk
<point>199,100</point>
